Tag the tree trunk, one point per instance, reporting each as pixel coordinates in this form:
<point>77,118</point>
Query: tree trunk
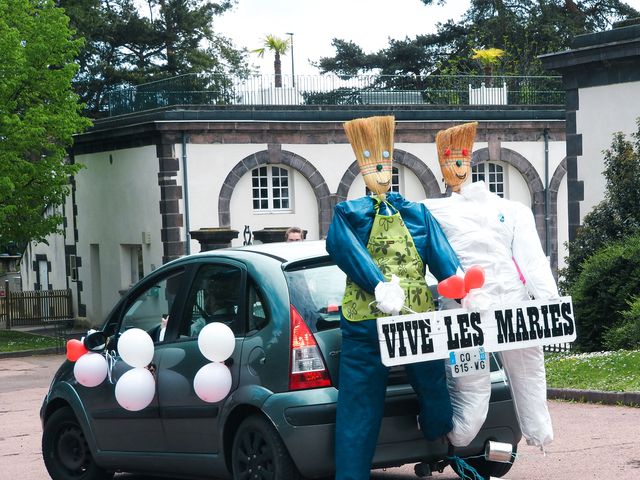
<point>488,75</point>
<point>277,67</point>
<point>169,39</point>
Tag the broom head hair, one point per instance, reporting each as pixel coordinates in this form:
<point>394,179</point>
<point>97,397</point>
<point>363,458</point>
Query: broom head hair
<point>456,143</point>
<point>373,135</point>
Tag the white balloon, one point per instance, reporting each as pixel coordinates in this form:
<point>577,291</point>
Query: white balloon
<point>135,346</point>
<point>135,389</point>
<point>90,369</point>
<point>216,342</point>
<point>212,383</point>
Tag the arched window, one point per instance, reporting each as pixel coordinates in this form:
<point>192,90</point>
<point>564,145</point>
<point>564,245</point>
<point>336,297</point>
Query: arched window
<point>492,174</point>
<point>271,188</point>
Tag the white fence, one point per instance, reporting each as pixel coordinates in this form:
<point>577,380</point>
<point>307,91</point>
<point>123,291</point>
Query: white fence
<point>488,95</point>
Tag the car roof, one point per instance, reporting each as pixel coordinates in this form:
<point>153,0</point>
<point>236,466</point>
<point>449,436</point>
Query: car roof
<point>290,251</point>
<point>284,252</point>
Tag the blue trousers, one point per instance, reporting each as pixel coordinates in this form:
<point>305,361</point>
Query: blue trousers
<point>361,396</point>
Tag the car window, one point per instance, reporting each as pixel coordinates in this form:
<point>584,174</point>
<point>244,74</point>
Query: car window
<point>316,293</point>
<point>150,309</point>
<point>214,297</point>
<point>257,308</point>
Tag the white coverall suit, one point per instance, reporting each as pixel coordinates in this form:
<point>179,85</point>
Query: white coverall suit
<point>487,230</point>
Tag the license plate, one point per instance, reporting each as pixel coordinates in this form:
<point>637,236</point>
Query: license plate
<point>470,361</point>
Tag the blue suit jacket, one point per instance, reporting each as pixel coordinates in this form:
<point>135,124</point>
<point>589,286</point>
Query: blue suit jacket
<point>349,234</point>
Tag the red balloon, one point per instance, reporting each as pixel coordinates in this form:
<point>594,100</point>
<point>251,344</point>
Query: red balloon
<point>75,349</point>
<point>452,287</point>
<point>474,278</point>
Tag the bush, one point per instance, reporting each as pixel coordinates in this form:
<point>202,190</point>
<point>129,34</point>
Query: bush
<point>609,280</point>
<point>627,335</point>
<point>617,215</point>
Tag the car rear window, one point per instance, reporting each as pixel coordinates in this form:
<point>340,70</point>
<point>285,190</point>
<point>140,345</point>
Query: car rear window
<point>316,293</point>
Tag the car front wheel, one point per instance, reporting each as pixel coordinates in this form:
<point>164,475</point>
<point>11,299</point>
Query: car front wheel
<point>259,453</point>
<point>65,449</point>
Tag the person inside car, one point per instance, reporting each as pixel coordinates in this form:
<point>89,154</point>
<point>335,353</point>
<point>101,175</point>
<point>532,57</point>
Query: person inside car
<point>215,302</point>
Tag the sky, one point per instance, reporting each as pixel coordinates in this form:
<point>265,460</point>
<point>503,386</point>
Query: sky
<point>314,23</point>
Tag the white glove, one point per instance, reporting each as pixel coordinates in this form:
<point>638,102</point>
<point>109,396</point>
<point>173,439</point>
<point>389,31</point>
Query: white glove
<point>390,296</point>
<point>477,300</point>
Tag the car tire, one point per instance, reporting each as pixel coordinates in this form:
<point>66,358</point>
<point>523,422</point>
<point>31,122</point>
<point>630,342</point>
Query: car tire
<point>65,449</point>
<point>258,452</point>
<point>486,468</point>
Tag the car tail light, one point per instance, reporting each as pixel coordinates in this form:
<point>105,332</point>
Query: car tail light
<point>308,369</point>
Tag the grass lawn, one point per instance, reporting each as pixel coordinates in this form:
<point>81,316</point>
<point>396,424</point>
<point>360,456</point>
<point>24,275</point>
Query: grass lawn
<point>13,341</point>
<point>617,371</point>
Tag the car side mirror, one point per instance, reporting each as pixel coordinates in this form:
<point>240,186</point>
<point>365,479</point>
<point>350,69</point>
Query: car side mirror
<point>95,340</point>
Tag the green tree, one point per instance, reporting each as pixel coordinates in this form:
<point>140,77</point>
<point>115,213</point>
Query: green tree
<point>279,47</point>
<point>617,215</point>
<point>39,114</point>
<point>523,29</point>
<point>130,42</point>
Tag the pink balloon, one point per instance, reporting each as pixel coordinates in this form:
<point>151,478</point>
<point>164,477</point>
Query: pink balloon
<point>90,369</point>
<point>212,383</point>
<point>135,389</point>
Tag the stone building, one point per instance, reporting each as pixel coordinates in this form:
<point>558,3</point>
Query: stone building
<point>601,74</point>
<point>154,181</point>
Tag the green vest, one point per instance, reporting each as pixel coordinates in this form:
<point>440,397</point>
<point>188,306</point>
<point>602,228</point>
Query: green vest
<point>392,249</point>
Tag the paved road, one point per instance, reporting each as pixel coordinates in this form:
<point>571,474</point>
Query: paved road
<point>592,441</point>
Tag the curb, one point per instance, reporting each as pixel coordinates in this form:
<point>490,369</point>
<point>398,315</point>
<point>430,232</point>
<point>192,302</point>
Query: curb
<point>630,399</point>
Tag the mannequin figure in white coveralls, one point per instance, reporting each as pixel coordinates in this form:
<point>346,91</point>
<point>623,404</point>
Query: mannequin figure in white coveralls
<point>500,236</point>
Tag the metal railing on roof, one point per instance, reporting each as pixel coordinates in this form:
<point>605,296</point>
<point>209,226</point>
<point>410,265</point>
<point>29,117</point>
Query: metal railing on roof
<point>312,90</point>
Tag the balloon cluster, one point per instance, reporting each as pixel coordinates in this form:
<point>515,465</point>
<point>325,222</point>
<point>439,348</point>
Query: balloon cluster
<point>213,381</point>
<point>136,388</point>
<point>91,367</point>
<point>457,287</point>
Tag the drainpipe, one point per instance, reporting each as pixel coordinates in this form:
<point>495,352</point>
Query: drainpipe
<point>545,135</point>
<point>185,189</point>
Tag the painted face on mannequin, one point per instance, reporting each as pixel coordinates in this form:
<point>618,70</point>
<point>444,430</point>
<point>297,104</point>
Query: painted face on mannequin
<point>377,174</point>
<point>454,154</point>
<point>456,171</point>
<point>372,142</point>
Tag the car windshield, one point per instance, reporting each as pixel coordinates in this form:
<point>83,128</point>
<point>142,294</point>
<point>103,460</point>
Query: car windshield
<point>316,293</point>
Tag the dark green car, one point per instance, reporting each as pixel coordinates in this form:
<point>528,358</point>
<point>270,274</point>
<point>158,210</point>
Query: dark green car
<point>277,422</point>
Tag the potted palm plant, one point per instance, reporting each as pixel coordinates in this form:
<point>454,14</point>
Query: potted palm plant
<point>487,94</point>
<point>274,94</point>
<point>279,47</point>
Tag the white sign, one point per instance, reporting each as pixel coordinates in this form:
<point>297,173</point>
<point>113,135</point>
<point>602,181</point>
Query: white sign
<point>434,335</point>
